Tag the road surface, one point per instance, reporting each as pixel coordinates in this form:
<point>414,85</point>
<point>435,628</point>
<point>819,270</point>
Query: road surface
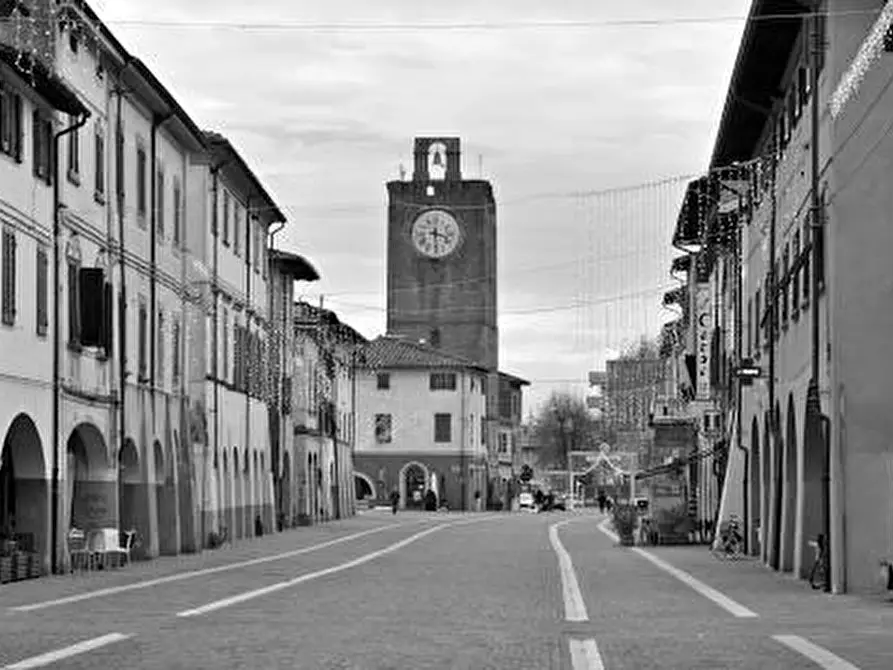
<point>465,591</point>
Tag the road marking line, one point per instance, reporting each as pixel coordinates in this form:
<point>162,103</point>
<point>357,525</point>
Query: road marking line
<point>603,527</point>
<point>279,586</point>
<point>113,590</point>
<point>585,656</point>
<point>818,655</point>
<point>67,652</point>
<point>731,606</point>
<point>574,607</point>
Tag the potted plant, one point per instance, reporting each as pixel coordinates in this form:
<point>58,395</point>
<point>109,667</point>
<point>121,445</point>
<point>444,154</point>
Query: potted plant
<point>624,522</point>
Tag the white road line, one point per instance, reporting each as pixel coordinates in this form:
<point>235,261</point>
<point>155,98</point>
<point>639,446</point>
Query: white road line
<point>585,656</point>
<point>603,527</point>
<point>574,607</point>
<point>113,590</point>
<point>731,606</point>
<point>279,586</point>
<point>818,655</point>
<point>67,652</point>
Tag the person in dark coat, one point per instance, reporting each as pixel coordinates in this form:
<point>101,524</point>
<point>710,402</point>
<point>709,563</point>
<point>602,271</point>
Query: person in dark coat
<point>395,500</point>
<point>430,501</point>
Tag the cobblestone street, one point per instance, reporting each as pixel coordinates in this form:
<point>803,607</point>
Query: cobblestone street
<point>440,591</point>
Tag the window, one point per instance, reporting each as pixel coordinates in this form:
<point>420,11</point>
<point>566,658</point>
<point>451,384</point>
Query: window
<point>141,168</point>
<point>803,85</point>
<point>775,301</point>
<point>9,277</point>
<point>443,424</point>
<point>483,430</point>
<point>74,152</point>
<point>442,381</point>
<point>224,336</point>
<point>74,302</point>
<point>795,277</point>
<point>749,328</point>
<point>257,242</point>
<point>226,218</point>
<point>383,428</point>
<point>785,292</point>
<point>175,353</point>
<point>42,136</point>
<point>177,223</point>
<point>99,164</point>
<point>435,338</point>
<point>806,264</point>
<point>141,341</point>
<point>237,217</point>
<point>10,123</point>
<point>119,164</point>
<point>160,349</point>
<point>159,203</point>
<point>758,318</point>
<point>503,443</point>
<point>383,381</point>
<point>42,291</point>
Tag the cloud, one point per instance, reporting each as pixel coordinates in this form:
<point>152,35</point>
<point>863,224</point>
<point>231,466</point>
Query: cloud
<point>326,116</point>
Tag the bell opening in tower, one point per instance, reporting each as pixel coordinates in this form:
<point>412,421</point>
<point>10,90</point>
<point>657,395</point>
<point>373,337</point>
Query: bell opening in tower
<point>437,161</point>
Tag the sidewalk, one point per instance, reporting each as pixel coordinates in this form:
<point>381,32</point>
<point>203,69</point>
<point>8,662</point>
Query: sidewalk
<point>779,596</point>
<point>59,586</point>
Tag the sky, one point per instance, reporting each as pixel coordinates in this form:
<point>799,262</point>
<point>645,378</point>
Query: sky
<point>588,131</point>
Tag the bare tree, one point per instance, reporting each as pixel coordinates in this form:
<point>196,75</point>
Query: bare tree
<point>645,348</point>
<point>563,424</point>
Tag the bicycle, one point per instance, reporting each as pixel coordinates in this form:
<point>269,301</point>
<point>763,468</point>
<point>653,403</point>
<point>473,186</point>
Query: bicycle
<point>731,540</point>
<point>817,577</point>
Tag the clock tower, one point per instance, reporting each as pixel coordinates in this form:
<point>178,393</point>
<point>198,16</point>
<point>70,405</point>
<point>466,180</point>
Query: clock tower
<point>441,255</point>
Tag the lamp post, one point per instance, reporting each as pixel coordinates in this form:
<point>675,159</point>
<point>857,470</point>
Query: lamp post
<point>568,423</point>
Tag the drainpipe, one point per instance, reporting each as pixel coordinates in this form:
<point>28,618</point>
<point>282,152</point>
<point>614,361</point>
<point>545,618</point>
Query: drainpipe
<point>122,266</point>
<point>283,357</point>
<point>463,475</point>
<point>739,322</point>
<point>157,121</point>
<point>215,338</point>
<point>771,302</point>
<point>819,420</point>
<point>248,312</point>
<point>57,354</point>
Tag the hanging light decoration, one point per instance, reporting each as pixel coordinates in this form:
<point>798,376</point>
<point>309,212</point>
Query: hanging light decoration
<point>868,54</point>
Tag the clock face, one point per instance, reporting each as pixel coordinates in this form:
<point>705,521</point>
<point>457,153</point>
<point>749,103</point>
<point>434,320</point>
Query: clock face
<point>436,233</point>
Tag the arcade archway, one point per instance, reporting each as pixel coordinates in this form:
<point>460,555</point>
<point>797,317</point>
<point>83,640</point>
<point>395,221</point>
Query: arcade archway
<point>90,483</point>
<point>413,485</point>
<point>23,487</point>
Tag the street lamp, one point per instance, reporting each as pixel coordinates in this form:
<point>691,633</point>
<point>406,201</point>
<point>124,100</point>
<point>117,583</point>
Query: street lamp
<point>568,423</point>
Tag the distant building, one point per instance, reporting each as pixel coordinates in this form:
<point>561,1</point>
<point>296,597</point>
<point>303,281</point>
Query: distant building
<point>420,424</point>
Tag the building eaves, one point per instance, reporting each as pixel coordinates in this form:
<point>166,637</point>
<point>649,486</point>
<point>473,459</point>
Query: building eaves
<point>770,35</point>
<point>512,379</point>
<point>388,352</point>
<point>218,142</point>
<point>697,204</point>
<point>167,103</point>
<point>47,84</point>
<point>294,265</point>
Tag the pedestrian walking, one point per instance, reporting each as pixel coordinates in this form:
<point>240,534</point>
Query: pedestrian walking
<point>395,500</point>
